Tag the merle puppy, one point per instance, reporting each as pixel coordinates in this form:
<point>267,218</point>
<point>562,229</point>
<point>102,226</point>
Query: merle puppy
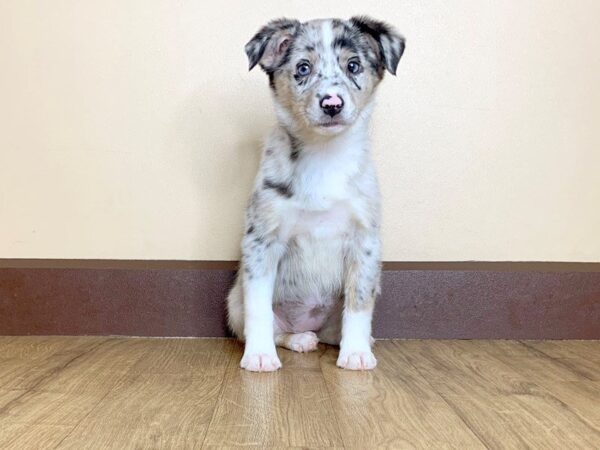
<point>310,264</point>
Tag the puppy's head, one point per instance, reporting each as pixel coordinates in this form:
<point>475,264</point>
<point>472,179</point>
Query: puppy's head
<point>323,72</point>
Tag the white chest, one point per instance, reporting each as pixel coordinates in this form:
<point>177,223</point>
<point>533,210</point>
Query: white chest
<point>330,223</point>
<point>325,201</point>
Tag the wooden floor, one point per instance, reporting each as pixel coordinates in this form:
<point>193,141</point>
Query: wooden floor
<point>76,393</point>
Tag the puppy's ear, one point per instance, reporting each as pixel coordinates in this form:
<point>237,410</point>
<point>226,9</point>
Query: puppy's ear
<point>388,42</point>
<point>269,45</point>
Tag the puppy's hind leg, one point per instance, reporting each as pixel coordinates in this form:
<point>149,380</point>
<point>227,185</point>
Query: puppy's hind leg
<point>235,309</point>
<point>297,342</point>
<point>331,331</point>
<point>293,337</point>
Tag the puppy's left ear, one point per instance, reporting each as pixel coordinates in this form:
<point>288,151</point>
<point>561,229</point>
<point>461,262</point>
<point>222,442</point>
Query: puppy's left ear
<point>390,44</point>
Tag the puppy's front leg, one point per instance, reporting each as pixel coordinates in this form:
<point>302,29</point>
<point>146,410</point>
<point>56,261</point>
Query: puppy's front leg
<point>260,268</point>
<point>360,289</point>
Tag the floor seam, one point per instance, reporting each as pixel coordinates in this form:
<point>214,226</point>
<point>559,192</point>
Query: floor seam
<point>48,376</point>
<point>554,360</point>
<point>92,409</point>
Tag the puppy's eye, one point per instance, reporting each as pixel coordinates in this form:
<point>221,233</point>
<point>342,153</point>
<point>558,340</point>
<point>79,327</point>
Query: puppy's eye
<point>353,66</point>
<point>303,69</point>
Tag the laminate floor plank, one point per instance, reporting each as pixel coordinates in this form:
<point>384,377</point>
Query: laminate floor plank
<point>288,408</point>
<point>393,406</point>
<point>166,399</point>
<point>126,393</point>
<point>26,362</point>
<point>502,400</point>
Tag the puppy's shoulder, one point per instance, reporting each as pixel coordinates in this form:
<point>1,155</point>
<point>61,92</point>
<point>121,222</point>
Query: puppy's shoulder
<point>276,159</point>
<point>280,146</point>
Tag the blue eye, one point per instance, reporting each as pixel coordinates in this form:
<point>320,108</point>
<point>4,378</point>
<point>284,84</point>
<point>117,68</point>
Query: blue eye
<point>303,69</point>
<point>354,67</point>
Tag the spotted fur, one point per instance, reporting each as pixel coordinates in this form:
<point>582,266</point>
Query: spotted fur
<point>310,255</point>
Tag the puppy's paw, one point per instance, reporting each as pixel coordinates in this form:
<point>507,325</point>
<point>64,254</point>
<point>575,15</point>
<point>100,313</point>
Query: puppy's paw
<point>357,360</point>
<point>260,362</point>
<point>302,342</point>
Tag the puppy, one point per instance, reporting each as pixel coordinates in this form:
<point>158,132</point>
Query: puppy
<point>310,263</point>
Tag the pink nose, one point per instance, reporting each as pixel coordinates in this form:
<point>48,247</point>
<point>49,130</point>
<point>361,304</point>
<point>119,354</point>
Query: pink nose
<point>332,100</point>
<point>332,104</point>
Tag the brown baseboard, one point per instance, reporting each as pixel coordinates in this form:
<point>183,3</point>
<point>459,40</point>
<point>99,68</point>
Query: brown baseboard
<point>442,300</point>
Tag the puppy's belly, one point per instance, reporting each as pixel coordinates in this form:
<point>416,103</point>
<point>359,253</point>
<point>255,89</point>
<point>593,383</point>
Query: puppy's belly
<point>298,317</point>
<point>309,284</point>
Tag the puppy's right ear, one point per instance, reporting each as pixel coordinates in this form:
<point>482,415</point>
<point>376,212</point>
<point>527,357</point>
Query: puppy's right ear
<point>391,44</point>
<point>269,45</point>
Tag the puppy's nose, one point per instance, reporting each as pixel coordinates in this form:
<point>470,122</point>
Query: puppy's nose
<point>332,104</point>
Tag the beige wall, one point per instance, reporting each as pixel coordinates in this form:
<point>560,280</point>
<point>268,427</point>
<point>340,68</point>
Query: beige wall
<point>131,129</point>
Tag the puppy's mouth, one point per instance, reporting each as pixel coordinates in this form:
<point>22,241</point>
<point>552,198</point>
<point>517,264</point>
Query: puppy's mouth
<point>332,123</point>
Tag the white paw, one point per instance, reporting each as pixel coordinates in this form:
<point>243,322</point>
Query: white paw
<point>303,342</point>
<point>357,360</point>
<point>260,362</point>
